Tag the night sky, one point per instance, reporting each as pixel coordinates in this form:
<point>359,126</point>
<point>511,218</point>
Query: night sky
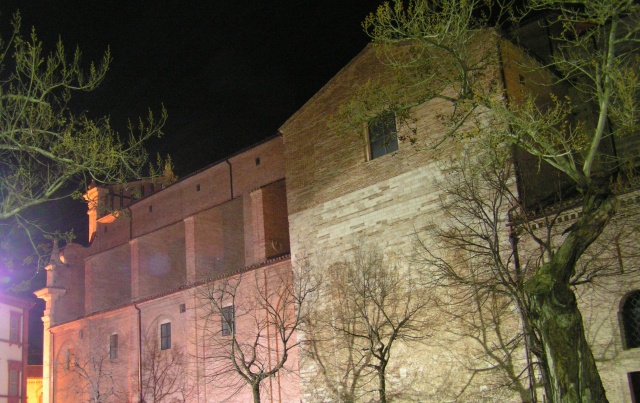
<point>229,72</point>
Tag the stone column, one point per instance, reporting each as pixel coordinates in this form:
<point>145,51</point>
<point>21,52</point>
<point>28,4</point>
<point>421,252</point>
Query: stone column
<point>49,295</point>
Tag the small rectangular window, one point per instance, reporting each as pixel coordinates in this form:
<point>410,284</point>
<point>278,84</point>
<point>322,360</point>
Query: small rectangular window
<point>71,359</point>
<point>383,136</point>
<point>113,346</point>
<point>14,327</point>
<point>165,336</point>
<point>183,308</point>
<point>228,320</point>
<point>14,382</point>
<point>15,373</point>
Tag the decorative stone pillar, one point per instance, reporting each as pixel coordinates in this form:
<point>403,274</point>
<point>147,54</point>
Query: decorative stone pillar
<point>49,294</point>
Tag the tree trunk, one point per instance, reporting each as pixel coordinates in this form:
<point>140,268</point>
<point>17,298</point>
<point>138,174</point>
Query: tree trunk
<point>255,388</point>
<point>570,364</point>
<point>382,383</point>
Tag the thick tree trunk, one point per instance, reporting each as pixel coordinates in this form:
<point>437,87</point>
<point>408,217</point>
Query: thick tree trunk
<point>570,364</point>
<point>255,388</point>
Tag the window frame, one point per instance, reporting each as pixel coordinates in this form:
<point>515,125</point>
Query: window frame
<point>15,327</point>
<point>378,123</point>
<point>113,346</point>
<point>165,336</point>
<point>14,388</point>
<point>228,317</point>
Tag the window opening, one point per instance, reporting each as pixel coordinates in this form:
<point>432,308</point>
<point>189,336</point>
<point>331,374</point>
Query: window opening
<point>383,135</point>
<point>165,336</point>
<point>631,320</point>
<point>14,327</point>
<point>15,375</point>
<point>113,346</point>
<point>71,359</point>
<point>228,320</point>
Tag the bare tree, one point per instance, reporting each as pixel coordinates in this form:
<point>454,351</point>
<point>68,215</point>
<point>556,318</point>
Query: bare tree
<point>251,324</point>
<point>471,252</point>
<point>164,376</point>
<point>488,248</point>
<point>373,305</point>
<point>337,356</point>
<point>92,370</point>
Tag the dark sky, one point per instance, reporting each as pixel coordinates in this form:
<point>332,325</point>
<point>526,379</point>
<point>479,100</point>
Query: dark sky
<point>229,72</point>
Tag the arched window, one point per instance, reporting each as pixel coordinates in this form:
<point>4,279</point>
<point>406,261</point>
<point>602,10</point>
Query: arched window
<point>631,320</point>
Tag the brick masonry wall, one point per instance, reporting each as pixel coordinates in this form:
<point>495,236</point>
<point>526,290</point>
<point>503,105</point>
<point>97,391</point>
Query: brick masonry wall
<point>161,261</point>
<point>108,277</point>
<point>88,339</point>
<point>276,224</point>
<point>71,278</point>
<point>258,166</point>
<point>218,240</point>
<point>251,319</point>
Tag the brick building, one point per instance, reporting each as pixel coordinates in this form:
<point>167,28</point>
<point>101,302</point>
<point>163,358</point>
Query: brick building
<point>136,286</point>
<point>14,339</point>
<point>343,190</point>
<point>139,285</point>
